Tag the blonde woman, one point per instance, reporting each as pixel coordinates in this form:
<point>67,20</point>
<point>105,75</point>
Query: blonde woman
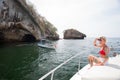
<point>104,50</point>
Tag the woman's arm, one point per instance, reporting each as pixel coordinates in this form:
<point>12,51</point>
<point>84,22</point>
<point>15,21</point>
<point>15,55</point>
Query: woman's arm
<point>95,42</point>
<point>96,45</point>
<point>107,50</point>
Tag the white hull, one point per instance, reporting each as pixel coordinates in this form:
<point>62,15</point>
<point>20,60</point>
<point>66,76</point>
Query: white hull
<point>46,46</point>
<point>110,71</point>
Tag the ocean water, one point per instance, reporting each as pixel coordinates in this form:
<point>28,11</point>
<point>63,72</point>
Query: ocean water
<point>30,62</point>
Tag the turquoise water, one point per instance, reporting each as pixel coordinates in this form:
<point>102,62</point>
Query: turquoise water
<point>30,62</point>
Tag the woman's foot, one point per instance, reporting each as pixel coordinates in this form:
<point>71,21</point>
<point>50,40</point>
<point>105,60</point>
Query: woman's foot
<point>90,67</point>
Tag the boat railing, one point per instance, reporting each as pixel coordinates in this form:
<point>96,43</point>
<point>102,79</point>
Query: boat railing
<point>59,66</point>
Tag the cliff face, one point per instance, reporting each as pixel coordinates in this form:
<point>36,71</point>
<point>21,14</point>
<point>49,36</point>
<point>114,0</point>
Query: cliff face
<point>20,22</point>
<point>73,34</point>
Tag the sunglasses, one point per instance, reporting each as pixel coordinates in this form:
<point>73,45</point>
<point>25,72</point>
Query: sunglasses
<point>99,39</point>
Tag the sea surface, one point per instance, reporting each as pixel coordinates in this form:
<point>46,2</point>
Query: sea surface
<point>27,61</point>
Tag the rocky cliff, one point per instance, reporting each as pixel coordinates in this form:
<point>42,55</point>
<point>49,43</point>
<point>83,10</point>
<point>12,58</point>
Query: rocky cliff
<point>73,34</point>
<point>20,22</point>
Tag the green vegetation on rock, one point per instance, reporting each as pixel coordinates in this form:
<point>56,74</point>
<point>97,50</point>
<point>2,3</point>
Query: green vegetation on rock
<point>19,21</point>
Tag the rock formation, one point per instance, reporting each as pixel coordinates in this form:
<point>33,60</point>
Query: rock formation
<point>20,22</point>
<point>73,34</point>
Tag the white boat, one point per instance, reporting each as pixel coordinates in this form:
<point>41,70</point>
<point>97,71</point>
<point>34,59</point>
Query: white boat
<point>111,71</point>
<point>46,46</point>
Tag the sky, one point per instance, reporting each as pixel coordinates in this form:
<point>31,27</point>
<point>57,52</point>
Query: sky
<point>92,17</point>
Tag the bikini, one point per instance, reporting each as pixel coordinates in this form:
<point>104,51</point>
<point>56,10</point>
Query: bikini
<point>102,52</point>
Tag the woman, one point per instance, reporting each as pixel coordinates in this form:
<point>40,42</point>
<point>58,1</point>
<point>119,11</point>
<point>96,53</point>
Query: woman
<point>104,50</point>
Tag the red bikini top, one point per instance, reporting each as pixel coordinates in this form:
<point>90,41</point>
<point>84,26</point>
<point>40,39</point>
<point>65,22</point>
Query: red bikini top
<point>102,52</point>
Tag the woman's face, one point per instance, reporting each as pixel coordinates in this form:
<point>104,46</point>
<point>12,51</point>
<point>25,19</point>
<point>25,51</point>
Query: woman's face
<point>102,41</point>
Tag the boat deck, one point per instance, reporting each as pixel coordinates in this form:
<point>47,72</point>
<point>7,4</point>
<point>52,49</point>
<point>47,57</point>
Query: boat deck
<point>111,71</point>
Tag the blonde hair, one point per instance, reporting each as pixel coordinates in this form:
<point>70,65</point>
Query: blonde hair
<point>103,38</point>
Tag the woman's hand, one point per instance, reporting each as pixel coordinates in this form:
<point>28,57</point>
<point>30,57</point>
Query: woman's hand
<point>99,64</point>
<point>95,41</point>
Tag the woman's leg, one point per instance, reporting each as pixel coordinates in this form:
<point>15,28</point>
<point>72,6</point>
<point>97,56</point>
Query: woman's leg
<point>92,59</point>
